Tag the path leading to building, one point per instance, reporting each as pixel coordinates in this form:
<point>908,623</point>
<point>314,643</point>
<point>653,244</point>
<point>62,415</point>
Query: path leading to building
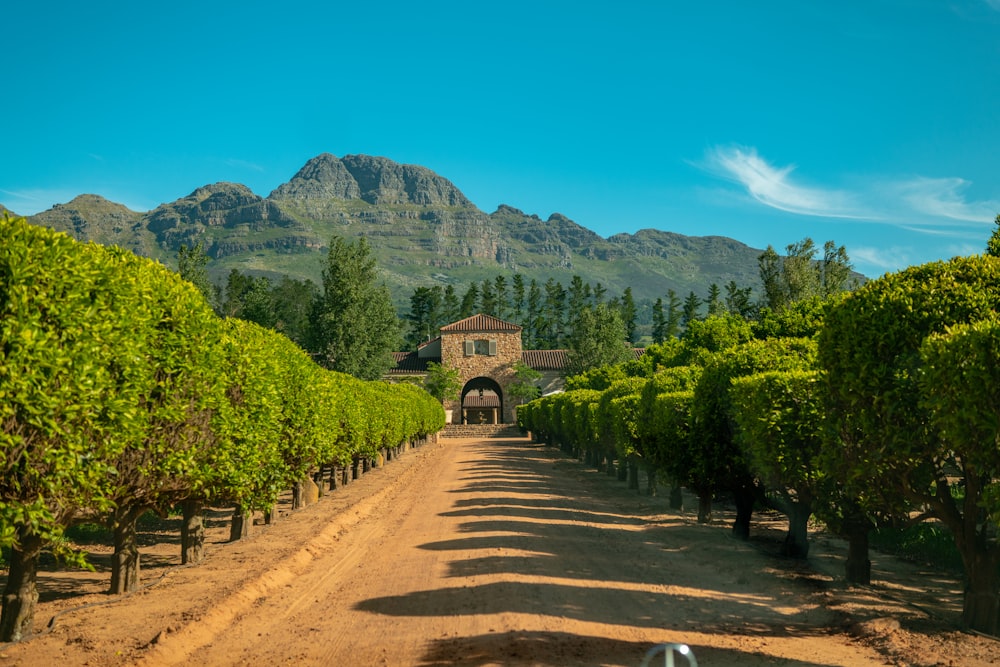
<point>493,552</point>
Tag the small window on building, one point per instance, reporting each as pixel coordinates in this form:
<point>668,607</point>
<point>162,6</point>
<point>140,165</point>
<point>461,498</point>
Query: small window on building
<point>481,347</point>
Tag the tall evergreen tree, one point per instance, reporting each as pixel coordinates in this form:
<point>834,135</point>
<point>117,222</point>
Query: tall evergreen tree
<point>451,308</point>
<point>659,322</point>
<point>424,317</point>
<point>518,299</point>
<point>628,312</point>
<point>470,301</point>
<point>674,316</point>
<point>738,300</point>
<point>487,298</point>
<point>535,321</point>
<point>502,295</point>
<point>554,314</point>
<point>354,328</point>
<point>689,312</point>
<point>291,300</point>
<point>715,305</point>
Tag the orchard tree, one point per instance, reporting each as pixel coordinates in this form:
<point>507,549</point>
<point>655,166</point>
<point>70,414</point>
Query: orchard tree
<point>780,426</point>
<point>895,448</point>
<point>354,328</point>
<point>72,328</point>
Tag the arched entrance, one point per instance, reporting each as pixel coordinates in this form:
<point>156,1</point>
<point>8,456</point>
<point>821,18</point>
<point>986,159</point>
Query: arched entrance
<point>482,402</point>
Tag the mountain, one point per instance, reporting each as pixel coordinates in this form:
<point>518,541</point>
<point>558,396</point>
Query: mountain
<point>421,228</point>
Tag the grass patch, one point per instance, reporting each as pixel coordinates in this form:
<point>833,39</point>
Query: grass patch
<point>928,542</point>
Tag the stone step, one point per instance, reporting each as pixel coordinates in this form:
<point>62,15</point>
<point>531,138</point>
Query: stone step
<point>480,431</point>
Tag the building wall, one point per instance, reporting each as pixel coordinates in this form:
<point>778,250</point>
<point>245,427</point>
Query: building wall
<point>498,366</point>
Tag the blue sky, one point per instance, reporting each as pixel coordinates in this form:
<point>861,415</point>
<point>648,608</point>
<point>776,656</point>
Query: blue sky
<point>873,123</point>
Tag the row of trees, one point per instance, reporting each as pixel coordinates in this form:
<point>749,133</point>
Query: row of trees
<point>122,391</point>
<point>548,313</point>
<point>878,406</point>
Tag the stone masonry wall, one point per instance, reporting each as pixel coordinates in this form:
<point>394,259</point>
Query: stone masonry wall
<point>498,367</point>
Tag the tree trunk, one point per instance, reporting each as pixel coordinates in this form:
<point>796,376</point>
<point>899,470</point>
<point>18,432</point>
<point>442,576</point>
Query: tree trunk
<point>650,481</point>
<point>355,468</point>
<point>676,496</point>
<point>704,506</point>
<point>20,595</point>
<point>633,473</point>
<point>271,515</point>
<point>345,475</point>
<point>744,496</point>
<point>622,470</point>
<point>858,568</point>
<point>125,561</point>
<point>298,495</point>
<point>334,478</point>
<point>192,532</point>
<point>797,539</point>
<point>240,527</point>
<point>981,606</point>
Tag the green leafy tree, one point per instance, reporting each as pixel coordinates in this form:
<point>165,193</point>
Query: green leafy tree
<point>836,269</point>
<point>502,292</point>
<point>192,264</point>
<point>738,300</point>
<point>71,328</point>
<point>779,420</point>
<point>893,449</point>
<point>442,382</point>
<point>525,386</point>
<point>598,340</point>
<point>354,328</point>
<point>291,301</point>
<point>993,244</point>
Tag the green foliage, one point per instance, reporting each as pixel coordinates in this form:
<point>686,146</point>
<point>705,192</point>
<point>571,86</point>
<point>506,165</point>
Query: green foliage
<point>442,383</point>
<point>720,463</point>
<point>598,339</point>
<point>993,244</point>
<point>354,328</point>
<point>887,404</point>
<point>524,388</point>
<point>72,327</point>
<point>780,426</point>
<point>192,264</point>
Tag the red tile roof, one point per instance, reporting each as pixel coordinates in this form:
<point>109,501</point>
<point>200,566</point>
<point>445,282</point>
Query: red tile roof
<point>407,363</point>
<point>544,360</point>
<point>480,324</point>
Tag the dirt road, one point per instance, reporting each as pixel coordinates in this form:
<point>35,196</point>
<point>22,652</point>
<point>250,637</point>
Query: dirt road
<point>495,552</point>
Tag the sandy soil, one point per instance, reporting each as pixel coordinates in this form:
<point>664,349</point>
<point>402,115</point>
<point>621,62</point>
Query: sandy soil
<point>497,552</point>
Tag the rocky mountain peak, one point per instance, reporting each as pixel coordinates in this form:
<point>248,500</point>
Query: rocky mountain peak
<point>376,180</point>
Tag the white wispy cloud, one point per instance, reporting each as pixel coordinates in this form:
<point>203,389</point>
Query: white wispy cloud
<point>916,202</point>
<point>943,198</point>
<point>773,186</point>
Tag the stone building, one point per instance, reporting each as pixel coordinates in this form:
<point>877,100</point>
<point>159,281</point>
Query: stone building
<point>484,349</point>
